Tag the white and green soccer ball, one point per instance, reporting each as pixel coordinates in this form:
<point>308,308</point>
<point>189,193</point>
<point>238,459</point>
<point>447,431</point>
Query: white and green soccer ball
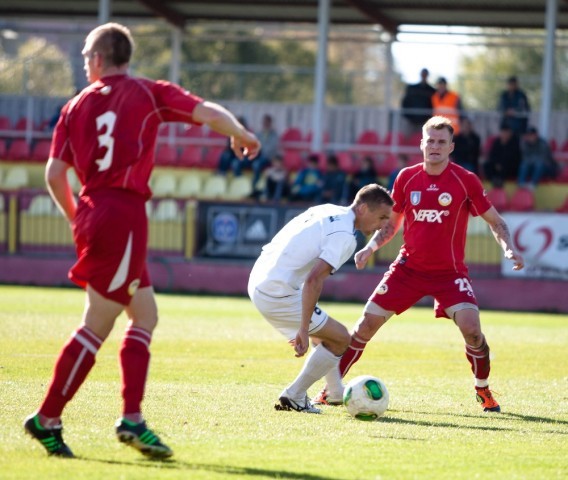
<point>366,397</point>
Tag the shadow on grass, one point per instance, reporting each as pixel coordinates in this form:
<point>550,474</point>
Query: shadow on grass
<point>496,416</point>
<point>220,469</point>
<point>420,423</point>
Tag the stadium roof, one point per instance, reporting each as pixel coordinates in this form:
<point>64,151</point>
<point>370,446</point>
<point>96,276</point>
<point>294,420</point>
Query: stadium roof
<point>390,14</point>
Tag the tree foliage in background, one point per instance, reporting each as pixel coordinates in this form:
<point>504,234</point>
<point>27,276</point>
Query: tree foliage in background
<point>266,69</point>
<point>35,67</point>
<point>483,75</point>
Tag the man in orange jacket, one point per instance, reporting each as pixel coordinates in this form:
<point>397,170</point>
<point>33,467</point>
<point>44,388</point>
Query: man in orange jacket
<point>447,104</point>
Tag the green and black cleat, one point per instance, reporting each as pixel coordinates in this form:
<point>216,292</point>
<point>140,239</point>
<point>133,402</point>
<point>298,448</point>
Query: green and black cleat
<point>140,437</point>
<point>50,438</point>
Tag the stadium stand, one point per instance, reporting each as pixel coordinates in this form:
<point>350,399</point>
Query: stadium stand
<point>16,177</point>
<point>166,210</point>
<point>164,184</point>
<point>19,149</point>
<point>189,186</point>
<point>166,154</point>
<point>293,160</point>
<point>522,200</point>
<point>215,187</point>
<point>239,188</point>
<point>41,205</point>
<point>40,150</point>
<point>3,148</point>
<point>367,138</point>
<point>564,207</point>
<point>191,156</point>
<point>498,197</point>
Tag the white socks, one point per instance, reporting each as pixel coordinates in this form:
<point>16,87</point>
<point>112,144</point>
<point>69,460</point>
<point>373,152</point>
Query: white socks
<point>319,362</point>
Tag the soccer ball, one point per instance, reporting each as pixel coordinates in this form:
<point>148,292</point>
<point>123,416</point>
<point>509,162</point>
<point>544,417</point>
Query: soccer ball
<point>366,397</point>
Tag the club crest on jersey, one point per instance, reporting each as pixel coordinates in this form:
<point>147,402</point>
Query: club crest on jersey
<point>415,197</point>
<point>445,199</point>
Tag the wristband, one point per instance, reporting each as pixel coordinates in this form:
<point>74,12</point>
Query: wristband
<point>373,245</point>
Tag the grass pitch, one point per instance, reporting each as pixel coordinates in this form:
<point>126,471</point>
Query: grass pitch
<point>218,367</point>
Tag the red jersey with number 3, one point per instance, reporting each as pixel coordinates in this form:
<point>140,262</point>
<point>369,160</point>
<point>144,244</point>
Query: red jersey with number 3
<point>436,211</point>
<point>110,141</point>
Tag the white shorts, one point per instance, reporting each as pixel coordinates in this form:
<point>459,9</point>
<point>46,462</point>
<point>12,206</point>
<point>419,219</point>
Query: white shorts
<point>285,313</point>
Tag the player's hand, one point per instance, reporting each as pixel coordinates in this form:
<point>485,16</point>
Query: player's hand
<point>518,261</point>
<point>246,145</point>
<point>362,256</point>
<point>301,343</point>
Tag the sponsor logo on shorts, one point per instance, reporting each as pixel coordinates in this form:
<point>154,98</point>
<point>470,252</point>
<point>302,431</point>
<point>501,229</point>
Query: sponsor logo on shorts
<point>430,216</point>
<point>415,197</point>
<point>382,288</point>
<point>445,199</point>
<point>134,284</point>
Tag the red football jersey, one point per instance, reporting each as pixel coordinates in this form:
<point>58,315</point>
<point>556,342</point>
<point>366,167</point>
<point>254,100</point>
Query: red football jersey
<point>108,131</point>
<point>436,210</point>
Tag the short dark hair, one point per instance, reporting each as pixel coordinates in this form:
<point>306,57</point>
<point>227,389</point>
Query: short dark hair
<point>373,195</point>
<point>113,42</point>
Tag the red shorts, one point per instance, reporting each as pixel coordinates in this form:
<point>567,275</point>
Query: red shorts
<point>111,236</point>
<point>401,288</point>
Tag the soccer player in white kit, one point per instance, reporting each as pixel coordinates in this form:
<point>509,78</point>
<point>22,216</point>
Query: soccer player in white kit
<point>287,279</point>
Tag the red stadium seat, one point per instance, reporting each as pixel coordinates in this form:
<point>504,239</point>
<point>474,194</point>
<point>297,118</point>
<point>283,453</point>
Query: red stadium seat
<point>40,151</point>
<point>293,160</point>
<point>19,149</point>
<point>191,156</point>
<point>522,200</point>
<point>394,139</point>
<point>564,207</point>
<point>5,123</point>
<point>3,148</point>
<point>498,197</point>
<point>166,154</point>
<point>211,155</point>
<point>387,165</point>
<point>370,139</point>
<point>292,139</point>
<point>346,162</point>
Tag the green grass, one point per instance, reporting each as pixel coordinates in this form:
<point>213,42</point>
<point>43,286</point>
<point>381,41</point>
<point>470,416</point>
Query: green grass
<point>217,368</point>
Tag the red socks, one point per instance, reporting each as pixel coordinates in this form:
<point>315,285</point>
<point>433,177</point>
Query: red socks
<point>71,368</point>
<point>479,359</point>
<point>134,362</point>
<point>352,354</point>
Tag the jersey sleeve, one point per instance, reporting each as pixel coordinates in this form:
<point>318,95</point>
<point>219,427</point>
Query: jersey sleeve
<point>337,248</point>
<point>398,193</point>
<point>176,104</point>
<point>478,195</point>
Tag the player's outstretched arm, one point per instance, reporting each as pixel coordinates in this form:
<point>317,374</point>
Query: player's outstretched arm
<point>217,117</point>
<point>380,238</point>
<point>502,235</point>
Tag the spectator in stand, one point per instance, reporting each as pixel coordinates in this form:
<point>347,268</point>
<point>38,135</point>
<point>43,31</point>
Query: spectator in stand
<point>537,162</point>
<point>275,180</point>
<point>270,149</point>
<point>229,160</point>
<point>334,185</point>
<point>308,184</point>
<point>417,102</point>
<point>467,147</point>
<point>504,157</point>
<point>447,104</point>
<point>401,162</point>
<point>364,176</point>
<point>514,106</point>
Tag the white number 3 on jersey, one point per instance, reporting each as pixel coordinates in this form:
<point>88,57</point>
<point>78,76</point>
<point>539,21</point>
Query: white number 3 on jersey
<point>106,139</point>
